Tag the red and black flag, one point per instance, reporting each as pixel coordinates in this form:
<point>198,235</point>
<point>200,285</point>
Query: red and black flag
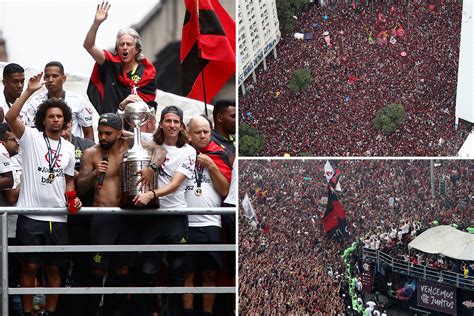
<point>220,158</point>
<point>109,84</point>
<point>207,49</point>
<point>334,219</point>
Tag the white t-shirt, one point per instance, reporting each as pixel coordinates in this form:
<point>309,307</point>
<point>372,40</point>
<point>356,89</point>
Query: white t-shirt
<point>37,189</point>
<point>370,305</point>
<point>81,111</point>
<point>177,160</point>
<point>232,196</point>
<point>4,104</point>
<point>7,165</point>
<point>4,160</point>
<point>209,198</point>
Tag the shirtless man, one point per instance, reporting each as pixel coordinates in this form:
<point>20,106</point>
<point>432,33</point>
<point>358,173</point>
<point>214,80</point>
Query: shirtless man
<point>105,158</point>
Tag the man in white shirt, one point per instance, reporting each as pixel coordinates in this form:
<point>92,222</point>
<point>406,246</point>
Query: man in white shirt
<point>81,109</point>
<point>178,166</point>
<point>13,81</point>
<point>48,167</point>
<point>209,185</point>
<point>9,197</point>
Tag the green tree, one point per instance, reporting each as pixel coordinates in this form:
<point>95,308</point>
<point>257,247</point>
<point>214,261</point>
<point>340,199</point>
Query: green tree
<point>390,118</point>
<point>286,9</point>
<point>250,141</point>
<point>300,80</point>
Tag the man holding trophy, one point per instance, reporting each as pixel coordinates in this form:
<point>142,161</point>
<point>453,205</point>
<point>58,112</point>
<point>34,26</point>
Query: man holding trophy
<point>102,169</point>
<point>167,229</point>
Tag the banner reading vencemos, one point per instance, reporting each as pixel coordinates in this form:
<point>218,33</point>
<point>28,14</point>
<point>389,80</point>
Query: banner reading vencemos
<point>437,297</point>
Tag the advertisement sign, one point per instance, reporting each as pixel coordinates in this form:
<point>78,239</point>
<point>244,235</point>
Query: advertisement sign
<point>436,296</point>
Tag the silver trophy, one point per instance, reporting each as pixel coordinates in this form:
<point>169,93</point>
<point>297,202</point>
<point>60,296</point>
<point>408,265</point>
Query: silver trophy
<point>137,158</point>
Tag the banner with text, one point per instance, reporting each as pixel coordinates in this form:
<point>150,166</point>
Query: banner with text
<point>436,296</point>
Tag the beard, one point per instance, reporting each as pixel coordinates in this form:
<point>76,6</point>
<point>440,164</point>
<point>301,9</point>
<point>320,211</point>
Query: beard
<point>107,145</point>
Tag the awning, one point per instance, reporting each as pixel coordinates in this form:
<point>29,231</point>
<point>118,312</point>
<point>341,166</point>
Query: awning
<point>447,241</point>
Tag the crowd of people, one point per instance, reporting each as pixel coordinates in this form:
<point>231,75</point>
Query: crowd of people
<point>52,158</point>
<point>359,73</point>
<point>288,265</point>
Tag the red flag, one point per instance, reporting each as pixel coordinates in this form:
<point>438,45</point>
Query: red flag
<point>352,79</point>
<point>401,31</point>
<point>381,18</point>
<point>334,219</point>
<point>207,49</point>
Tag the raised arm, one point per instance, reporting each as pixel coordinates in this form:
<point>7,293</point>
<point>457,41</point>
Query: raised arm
<point>16,125</point>
<point>89,41</point>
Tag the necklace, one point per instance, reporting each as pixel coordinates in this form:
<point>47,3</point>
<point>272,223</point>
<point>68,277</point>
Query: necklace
<point>52,158</point>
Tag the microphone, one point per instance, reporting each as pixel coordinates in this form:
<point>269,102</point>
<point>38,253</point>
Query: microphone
<point>102,175</point>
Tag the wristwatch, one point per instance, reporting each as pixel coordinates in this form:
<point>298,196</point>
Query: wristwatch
<point>153,166</point>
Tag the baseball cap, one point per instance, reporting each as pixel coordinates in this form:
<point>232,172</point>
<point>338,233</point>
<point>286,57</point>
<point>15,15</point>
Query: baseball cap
<point>110,119</point>
<point>172,109</point>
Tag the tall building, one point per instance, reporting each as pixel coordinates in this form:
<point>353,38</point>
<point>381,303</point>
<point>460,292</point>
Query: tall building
<point>259,33</point>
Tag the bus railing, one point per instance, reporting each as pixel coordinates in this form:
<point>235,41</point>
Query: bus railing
<point>6,290</point>
<point>418,270</point>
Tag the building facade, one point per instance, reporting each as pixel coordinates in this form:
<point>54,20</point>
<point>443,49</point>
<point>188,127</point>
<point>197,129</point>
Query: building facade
<point>258,35</point>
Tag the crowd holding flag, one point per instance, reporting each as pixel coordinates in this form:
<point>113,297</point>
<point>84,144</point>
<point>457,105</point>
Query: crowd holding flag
<point>334,219</point>
<point>207,49</point>
<point>332,177</point>
<point>249,211</point>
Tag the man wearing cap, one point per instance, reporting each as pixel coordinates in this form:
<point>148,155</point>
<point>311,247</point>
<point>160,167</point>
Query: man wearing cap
<point>102,161</point>
<point>48,169</point>
<point>167,229</point>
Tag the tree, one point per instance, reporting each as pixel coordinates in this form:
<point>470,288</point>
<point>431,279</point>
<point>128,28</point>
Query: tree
<point>250,141</point>
<point>301,80</point>
<point>390,118</point>
<point>286,9</point>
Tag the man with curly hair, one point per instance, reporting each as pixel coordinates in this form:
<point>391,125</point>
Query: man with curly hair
<point>48,169</point>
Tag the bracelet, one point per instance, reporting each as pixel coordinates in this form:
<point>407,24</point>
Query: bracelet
<point>153,193</point>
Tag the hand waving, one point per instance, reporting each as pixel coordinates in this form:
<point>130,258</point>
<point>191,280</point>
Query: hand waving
<point>102,12</point>
<point>35,82</point>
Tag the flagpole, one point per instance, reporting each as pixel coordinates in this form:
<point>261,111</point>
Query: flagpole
<point>201,62</point>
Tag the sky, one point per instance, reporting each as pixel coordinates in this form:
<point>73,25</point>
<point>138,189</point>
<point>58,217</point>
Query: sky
<point>41,31</point>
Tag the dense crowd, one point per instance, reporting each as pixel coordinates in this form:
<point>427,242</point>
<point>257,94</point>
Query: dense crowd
<point>290,266</point>
<point>353,79</point>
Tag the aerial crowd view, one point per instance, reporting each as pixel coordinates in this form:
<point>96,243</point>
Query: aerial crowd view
<point>292,261</point>
<point>361,57</point>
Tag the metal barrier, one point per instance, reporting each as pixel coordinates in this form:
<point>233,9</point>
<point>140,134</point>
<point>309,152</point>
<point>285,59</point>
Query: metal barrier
<point>6,291</point>
<point>418,271</point>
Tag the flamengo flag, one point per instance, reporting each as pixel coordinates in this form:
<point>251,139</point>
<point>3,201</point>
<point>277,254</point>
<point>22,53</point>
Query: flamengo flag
<point>332,177</point>
<point>249,212</point>
<point>207,49</point>
<point>334,219</point>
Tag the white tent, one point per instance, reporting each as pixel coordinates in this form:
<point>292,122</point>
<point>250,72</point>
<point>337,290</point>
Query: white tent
<point>447,241</point>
